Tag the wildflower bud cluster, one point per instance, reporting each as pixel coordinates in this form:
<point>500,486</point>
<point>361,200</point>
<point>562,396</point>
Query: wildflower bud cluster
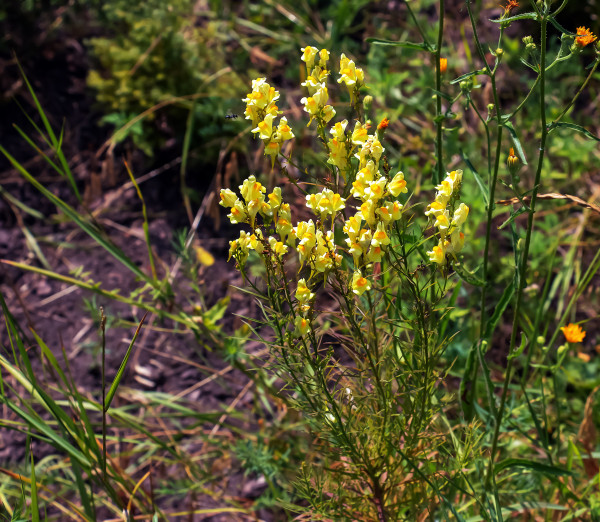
<point>448,217</point>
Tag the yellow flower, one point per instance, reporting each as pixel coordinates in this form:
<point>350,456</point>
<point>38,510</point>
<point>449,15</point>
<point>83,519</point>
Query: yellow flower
<point>277,247</point>
<point>380,236</point>
<point>308,56</point>
<point>265,128</point>
<point>360,133</point>
<point>375,254</point>
<point>397,185</point>
<point>302,326</point>
<point>437,255</point>
<point>252,190</point>
<point>303,293</point>
<point>376,189</point>
<point>339,129</point>
<point>584,37</point>
<point>460,215</point>
<point>228,198</point>
<point>573,333</point>
<point>323,57</point>
<point>284,223</point>
<point>284,132</point>
<point>360,284</point>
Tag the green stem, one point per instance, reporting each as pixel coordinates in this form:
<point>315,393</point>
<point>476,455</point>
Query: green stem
<point>438,105</point>
<point>522,268</point>
<point>584,85</point>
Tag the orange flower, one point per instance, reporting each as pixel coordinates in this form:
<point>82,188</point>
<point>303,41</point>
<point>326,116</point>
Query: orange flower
<point>512,161</point>
<point>584,37</point>
<point>443,65</point>
<point>573,333</point>
<point>511,4</point>
<point>383,124</point>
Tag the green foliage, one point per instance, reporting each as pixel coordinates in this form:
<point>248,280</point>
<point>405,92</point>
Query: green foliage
<point>161,55</point>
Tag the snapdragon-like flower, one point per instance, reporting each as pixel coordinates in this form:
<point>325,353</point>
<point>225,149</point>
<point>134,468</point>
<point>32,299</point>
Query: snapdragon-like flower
<point>239,248</point>
<point>380,236</point>
<point>451,239</point>
<point>308,56</point>
<point>302,326</point>
<point>376,189</point>
<point>360,284</point>
<point>438,254</point>
<point>460,215</point>
<point>360,133</point>
<point>284,222</point>
<point>277,247</point>
<point>397,185</point>
<point>255,241</point>
<point>303,293</point>
<point>351,75</point>
<point>228,198</point>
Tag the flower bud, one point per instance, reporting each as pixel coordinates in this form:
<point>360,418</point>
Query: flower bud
<point>513,163</point>
<point>499,52</point>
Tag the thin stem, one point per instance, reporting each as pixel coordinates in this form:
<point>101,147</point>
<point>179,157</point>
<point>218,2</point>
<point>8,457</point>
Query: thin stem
<point>438,106</point>
<point>560,116</point>
<point>522,269</point>
<point>103,334</point>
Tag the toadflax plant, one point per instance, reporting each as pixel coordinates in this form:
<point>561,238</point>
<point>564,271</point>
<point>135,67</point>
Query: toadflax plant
<point>363,368</point>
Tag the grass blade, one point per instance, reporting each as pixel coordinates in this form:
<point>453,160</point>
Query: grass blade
<point>113,388</point>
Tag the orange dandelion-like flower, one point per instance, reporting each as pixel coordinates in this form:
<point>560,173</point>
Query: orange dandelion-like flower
<point>573,333</point>
<point>510,5</point>
<point>443,65</point>
<point>383,124</point>
<point>584,37</point>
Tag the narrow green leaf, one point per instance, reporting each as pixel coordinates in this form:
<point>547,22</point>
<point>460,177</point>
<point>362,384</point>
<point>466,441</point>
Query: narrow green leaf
<point>113,389</point>
<point>466,276</point>
<point>55,439</point>
<point>446,97</point>
<point>533,465</point>
<point>513,216</point>
<point>17,203</point>
<point>35,512</point>
<point>56,143</point>
<point>408,45</point>
<point>467,75</point>
<point>516,141</point>
<point>555,23</point>
<point>477,177</point>
<point>81,222</point>
<point>521,348</point>
<point>522,16</point>
<point>86,500</point>
<point>577,128</point>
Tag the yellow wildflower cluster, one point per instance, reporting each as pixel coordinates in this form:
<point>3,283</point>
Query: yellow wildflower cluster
<point>448,220</point>
<point>353,77</point>
<point>262,111</point>
<point>316,102</point>
<point>244,210</point>
<point>378,210</point>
